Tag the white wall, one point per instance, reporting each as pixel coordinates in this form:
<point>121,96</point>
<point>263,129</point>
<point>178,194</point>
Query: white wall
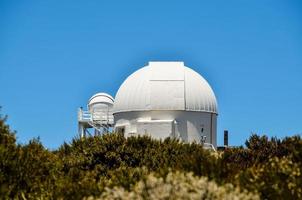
<point>189,126</point>
<point>157,129</point>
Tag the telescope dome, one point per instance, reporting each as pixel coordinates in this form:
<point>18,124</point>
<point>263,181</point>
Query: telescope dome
<point>100,101</point>
<point>165,86</point>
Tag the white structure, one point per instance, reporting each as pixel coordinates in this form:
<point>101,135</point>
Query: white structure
<point>162,99</point>
<point>99,115</point>
<point>167,99</point>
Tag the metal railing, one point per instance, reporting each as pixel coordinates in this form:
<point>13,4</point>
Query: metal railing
<point>103,117</point>
<point>99,117</point>
<point>84,116</point>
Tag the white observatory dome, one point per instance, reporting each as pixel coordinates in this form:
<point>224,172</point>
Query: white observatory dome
<point>98,116</point>
<point>165,86</point>
<point>162,99</point>
<point>101,98</point>
<point>100,102</point>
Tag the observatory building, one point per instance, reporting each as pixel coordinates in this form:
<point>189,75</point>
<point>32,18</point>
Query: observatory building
<point>98,116</point>
<point>162,99</point>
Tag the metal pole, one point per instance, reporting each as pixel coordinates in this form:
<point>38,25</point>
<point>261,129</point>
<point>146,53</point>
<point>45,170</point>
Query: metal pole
<point>226,138</point>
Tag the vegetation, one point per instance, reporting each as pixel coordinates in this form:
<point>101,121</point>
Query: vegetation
<point>177,186</point>
<point>113,167</point>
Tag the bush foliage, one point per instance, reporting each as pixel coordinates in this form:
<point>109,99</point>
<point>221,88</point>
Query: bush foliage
<point>109,165</point>
<point>177,186</point>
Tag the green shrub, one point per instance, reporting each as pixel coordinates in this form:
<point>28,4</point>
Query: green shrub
<point>279,178</point>
<point>86,166</point>
<point>177,186</point>
<point>29,171</point>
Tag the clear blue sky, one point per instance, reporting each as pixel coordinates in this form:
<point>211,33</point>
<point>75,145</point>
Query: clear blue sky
<point>55,54</point>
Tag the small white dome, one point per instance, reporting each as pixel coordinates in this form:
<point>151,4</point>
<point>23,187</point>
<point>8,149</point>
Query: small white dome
<point>165,86</point>
<point>101,98</point>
